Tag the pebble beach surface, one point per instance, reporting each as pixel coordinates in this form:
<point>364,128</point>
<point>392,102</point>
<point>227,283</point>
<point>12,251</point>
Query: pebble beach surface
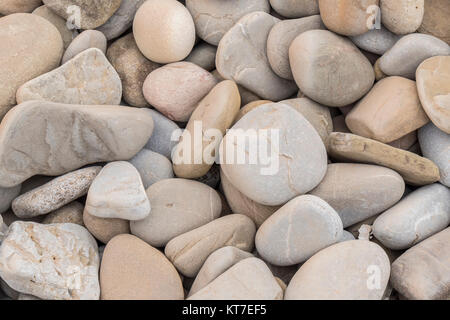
<point>225,150</point>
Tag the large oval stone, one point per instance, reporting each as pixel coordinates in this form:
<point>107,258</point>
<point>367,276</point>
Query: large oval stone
<point>295,8</point>
<point>402,16</point>
<point>18,6</point>
<point>435,19</point>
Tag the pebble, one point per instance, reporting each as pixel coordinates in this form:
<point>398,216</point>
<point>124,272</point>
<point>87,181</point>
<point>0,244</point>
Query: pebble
<point>85,40</point>
<point>203,55</point>
<point>7,195</point>
<point>376,41</point>
<point>134,270</point>
<point>433,86</point>
<point>31,46</point>
<point>246,95</point>
<point>104,229</point>
<point>132,67</point>
<point>294,8</point>
<point>54,194</point>
<point>70,213</point>
<point>402,16</point>
<point>435,145</point>
<point>435,20</point>
<point>121,20</point>
<point>419,275</point>
<point>189,250</point>
<point>249,279</point>
<point>164,30</point>
<point>301,228</point>
<point>391,110</point>
<point>354,263</point>
<point>118,192</point>
<point>87,79</point>
<point>8,7</point>
<point>346,236</point>
<point>152,167</point>
<point>213,18</point>
<point>93,13</point>
<point>359,191</point>
<point>409,52</point>
<point>414,169</point>
<point>161,140</point>
<point>313,55</point>
<point>302,157</point>
<point>280,38</point>
<point>418,216</point>
<point>178,206</point>
<point>249,107</point>
<point>175,89</point>
<point>217,263</point>
<point>112,133</point>
<point>56,262</point>
<point>235,59</point>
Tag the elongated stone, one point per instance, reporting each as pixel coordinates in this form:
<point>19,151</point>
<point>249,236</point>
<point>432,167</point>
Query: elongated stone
<point>377,41</point>
<point>294,8</point>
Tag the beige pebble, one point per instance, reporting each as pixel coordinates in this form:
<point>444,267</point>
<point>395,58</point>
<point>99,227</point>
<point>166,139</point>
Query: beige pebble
<point>435,19</point>
<point>85,40</point>
<point>104,229</point>
<point>18,6</point>
<point>295,8</point>
<point>402,16</point>
<point>70,213</point>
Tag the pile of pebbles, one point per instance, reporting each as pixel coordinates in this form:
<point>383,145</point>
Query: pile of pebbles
<point>95,206</point>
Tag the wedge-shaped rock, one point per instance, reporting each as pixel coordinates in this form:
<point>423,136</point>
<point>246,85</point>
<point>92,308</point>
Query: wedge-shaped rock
<point>249,279</point>
<point>38,137</point>
<point>118,192</point>
<point>87,79</point>
<point>421,273</point>
<point>189,251</point>
<point>414,169</point>
<point>350,270</point>
<point>57,261</point>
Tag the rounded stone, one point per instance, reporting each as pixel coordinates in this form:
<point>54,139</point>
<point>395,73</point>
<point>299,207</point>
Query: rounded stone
<point>391,110</point>
<point>133,270</point>
<point>176,89</point>
<point>402,16</point>
<point>164,31</point>
<point>330,69</point>
<point>85,40</point>
<point>376,41</point>
<point>161,140</point>
<point>359,191</point>
<point>104,229</point>
<point>70,213</point>
<point>352,263</point>
<point>295,8</point>
<point>246,95</point>
<point>348,17</point>
<point>152,167</point>
<point>249,107</point>
<point>242,57</point>
<point>433,86</point>
<point>203,55</point>
<point>418,216</point>
<point>8,7</point>
<point>296,165</point>
<point>280,38</point>
<point>435,19</point>
<point>30,47</point>
<point>178,206</point>
<point>213,18</point>
<point>298,230</point>
<point>409,52</point>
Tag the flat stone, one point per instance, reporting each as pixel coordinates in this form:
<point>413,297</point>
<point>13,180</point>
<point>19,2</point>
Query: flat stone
<point>297,165</point>
<point>280,38</point>
<point>104,229</point>
<point>18,6</point>
<point>213,18</point>
<point>152,167</point>
<point>435,20</point>
<point>161,140</point>
<point>70,213</point>
<point>402,16</point>
<point>164,30</point>
<point>414,169</point>
<point>133,270</point>
<point>30,47</point>
<point>241,56</point>
<point>419,275</point>
<point>118,192</point>
<point>433,86</point>
<point>409,52</point>
<point>329,68</point>
<point>353,263</point>
<point>376,41</point>
<point>217,263</point>
<point>421,214</point>
<point>217,112</point>
<point>86,79</point>
<point>301,228</point>
<point>175,89</point>
<point>359,191</point>
<point>178,206</point>
<point>189,251</point>
<point>121,20</point>
<point>93,13</point>
<point>435,145</point>
<point>85,40</point>
<point>55,194</point>
<point>203,55</point>
<point>7,195</point>
<point>294,8</point>
<point>53,138</point>
<point>54,262</point>
<point>391,110</point>
<point>239,202</point>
